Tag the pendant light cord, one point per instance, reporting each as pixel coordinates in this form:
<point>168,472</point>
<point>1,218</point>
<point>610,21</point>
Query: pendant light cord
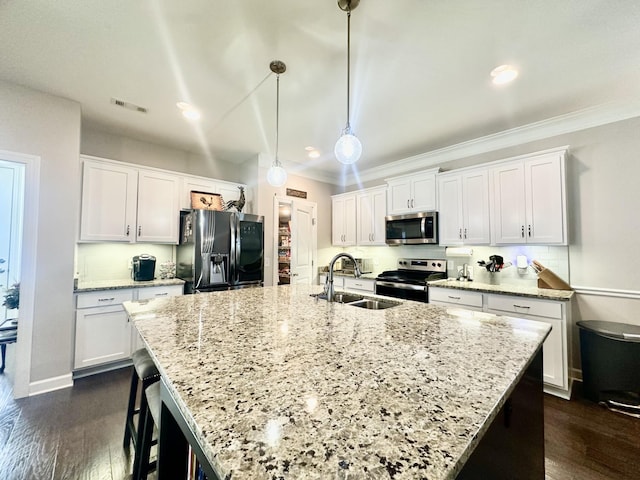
<point>277,162</point>
<point>348,128</point>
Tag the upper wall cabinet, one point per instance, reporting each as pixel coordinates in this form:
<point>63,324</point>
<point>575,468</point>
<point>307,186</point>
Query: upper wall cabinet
<point>158,207</point>
<point>121,203</point>
<point>343,219</point>
<point>412,193</point>
<point>463,200</point>
<point>371,209</point>
<point>529,200</point>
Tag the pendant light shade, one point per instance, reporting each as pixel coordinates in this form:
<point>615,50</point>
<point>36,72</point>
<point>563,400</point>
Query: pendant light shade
<point>277,175</point>
<point>348,148</point>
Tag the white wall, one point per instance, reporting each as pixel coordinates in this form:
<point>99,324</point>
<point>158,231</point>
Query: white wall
<point>49,127</point>
<point>318,192</point>
<point>131,150</point>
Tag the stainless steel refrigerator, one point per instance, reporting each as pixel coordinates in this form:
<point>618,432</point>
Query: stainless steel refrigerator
<point>220,250</point>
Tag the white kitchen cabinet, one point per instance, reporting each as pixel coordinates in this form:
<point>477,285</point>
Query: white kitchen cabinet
<point>109,202</point>
<point>463,203</point>
<point>555,354</point>
<point>359,285</point>
<point>412,193</point>
<point>158,207</point>
<point>103,331</point>
<point>121,203</point>
<point>529,200</point>
<point>371,208</point>
<point>343,219</point>
<point>448,297</point>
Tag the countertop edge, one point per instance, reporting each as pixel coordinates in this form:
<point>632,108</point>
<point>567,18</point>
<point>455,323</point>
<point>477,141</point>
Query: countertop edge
<point>531,292</point>
<point>93,286</point>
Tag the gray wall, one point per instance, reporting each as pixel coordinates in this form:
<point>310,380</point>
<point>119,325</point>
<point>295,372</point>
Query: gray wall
<point>49,127</point>
<point>131,150</point>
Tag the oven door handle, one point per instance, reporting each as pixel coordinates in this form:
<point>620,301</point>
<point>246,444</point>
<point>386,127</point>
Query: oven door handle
<point>402,286</point>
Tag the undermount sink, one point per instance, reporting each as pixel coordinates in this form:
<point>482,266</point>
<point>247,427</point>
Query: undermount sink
<point>346,297</point>
<point>373,304</point>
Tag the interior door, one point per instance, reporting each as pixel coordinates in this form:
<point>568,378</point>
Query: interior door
<point>11,194</point>
<point>303,242</point>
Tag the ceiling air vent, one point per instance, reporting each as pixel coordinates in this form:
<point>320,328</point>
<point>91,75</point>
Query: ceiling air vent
<point>128,105</point>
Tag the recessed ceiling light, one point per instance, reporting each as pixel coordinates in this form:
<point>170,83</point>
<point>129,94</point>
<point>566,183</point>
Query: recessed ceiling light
<point>313,154</point>
<point>309,148</point>
<point>189,111</point>
<point>503,74</point>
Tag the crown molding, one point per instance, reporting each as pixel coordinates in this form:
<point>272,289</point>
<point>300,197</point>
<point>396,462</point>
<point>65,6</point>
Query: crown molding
<point>571,122</point>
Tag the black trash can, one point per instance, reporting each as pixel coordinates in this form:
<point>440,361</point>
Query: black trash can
<point>610,354</point>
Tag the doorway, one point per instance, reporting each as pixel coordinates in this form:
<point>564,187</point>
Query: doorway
<point>19,180</point>
<point>295,243</point>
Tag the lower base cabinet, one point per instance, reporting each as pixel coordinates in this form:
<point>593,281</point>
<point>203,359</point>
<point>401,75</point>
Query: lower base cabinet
<point>554,312</point>
<point>103,332</point>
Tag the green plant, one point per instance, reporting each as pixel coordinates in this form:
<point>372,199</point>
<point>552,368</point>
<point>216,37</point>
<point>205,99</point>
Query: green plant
<point>12,297</point>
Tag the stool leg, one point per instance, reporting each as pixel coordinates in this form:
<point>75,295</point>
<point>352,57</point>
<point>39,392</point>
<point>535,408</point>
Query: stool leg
<point>4,354</point>
<point>143,443</point>
<point>129,427</point>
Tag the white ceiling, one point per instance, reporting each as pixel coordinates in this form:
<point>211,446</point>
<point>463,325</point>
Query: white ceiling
<point>420,69</point>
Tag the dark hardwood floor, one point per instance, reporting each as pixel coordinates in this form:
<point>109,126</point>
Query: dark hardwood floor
<point>76,434</point>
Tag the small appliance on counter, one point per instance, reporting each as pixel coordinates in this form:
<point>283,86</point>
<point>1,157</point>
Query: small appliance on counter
<point>364,264</point>
<point>143,268</point>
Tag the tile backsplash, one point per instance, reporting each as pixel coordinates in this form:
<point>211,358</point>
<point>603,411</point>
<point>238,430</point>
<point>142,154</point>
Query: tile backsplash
<point>555,258</point>
<point>112,261</point>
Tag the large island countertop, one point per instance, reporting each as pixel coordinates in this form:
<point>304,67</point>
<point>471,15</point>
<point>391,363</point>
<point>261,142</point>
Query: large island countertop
<point>505,289</point>
<point>277,384</point>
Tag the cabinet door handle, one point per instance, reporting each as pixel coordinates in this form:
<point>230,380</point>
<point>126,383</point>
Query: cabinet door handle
<point>465,233</point>
<point>139,230</point>
<point>106,299</point>
<point>529,230</point>
<point>521,306</point>
<point>453,298</point>
<point>522,231</point>
<point>412,203</point>
<point>408,203</point>
<point>460,234</point>
<point>128,228</point>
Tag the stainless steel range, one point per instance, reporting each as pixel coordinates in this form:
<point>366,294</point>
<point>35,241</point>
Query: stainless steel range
<point>410,280</point>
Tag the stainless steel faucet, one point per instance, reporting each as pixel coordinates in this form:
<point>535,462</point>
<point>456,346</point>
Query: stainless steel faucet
<point>328,288</point>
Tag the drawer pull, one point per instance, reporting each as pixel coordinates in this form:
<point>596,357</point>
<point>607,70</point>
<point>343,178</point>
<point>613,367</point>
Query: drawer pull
<point>454,298</point>
<point>521,306</point>
<point>106,299</point>
<point>162,294</point>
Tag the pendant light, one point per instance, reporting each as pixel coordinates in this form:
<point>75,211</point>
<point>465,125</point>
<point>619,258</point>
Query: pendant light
<point>277,176</point>
<point>348,148</point>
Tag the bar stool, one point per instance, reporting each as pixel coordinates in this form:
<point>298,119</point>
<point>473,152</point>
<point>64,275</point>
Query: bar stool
<point>145,372</point>
<point>148,420</point>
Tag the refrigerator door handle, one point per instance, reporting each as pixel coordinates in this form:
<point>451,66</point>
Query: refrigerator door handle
<point>234,275</point>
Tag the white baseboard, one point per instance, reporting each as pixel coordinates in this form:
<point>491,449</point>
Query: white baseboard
<point>50,384</point>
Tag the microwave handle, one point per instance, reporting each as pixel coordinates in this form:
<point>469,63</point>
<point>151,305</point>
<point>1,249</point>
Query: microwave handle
<point>423,227</point>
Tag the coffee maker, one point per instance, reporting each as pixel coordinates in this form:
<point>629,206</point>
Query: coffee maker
<point>143,267</point>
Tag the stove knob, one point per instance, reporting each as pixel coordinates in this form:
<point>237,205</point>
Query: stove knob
<point>439,264</point>
<point>433,264</point>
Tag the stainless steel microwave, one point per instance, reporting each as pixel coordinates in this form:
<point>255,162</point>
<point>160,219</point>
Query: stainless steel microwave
<point>412,229</point>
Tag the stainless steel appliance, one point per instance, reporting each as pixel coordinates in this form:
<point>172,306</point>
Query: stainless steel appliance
<point>143,268</point>
<point>349,266</point>
<point>410,280</point>
<point>412,229</point>
<point>220,250</point>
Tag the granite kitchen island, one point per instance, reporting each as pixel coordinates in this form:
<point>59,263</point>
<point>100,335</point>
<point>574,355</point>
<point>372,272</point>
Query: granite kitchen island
<point>272,383</point>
